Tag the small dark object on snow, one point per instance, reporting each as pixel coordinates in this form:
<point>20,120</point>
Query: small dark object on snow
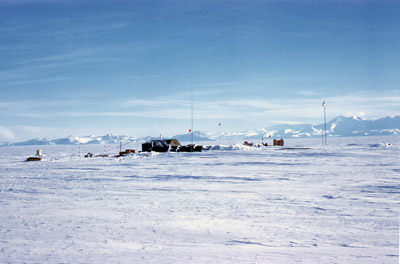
<point>190,148</point>
<point>248,144</point>
<point>101,156</point>
<point>33,159</point>
<point>38,156</point>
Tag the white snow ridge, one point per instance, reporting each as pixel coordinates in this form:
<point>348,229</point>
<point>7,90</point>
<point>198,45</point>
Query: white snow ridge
<point>334,204</point>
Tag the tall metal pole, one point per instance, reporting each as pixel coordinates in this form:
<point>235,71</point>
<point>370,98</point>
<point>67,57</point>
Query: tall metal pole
<point>219,135</point>
<point>325,122</point>
<point>191,99</point>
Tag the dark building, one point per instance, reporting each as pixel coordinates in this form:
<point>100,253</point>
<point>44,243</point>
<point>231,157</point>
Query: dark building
<point>161,145</point>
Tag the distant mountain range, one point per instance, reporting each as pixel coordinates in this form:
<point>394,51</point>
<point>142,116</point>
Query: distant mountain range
<point>71,140</point>
<point>340,126</point>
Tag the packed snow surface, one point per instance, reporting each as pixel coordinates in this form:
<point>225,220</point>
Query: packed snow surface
<point>327,204</point>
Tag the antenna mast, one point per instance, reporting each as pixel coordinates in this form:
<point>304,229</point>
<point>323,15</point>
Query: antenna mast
<point>191,99</point>
<point>323,105</point>
<point>325,125</point>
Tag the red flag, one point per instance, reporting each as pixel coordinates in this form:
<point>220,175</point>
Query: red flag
<point>190,130</point>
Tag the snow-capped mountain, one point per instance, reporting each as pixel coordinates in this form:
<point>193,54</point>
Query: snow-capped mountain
<point>197,136</point>
<point>356,126</point>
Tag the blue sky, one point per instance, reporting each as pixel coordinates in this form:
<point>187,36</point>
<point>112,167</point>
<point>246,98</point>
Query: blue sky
<point>128,67</point>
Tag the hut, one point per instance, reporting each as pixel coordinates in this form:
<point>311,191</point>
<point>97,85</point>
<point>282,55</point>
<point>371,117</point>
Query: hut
<point>126,152</point>
<point>279,142</point>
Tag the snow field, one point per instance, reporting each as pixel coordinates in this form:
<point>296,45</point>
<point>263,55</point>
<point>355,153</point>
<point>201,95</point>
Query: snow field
<point>334,204</point>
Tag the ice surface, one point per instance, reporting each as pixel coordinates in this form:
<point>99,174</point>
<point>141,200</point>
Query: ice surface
<point>333,204</point>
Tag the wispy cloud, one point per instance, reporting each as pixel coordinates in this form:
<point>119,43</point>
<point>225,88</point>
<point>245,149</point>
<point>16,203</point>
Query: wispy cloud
<point>24,132</point>
<point>290,110</point>
<point>220,84</point>
<point>6,133</point>
<point>153,102</point>
<point>73,56</point>
<point>92,29</point>
<point>36,70</point>
<point>146,77</point>
<point>32,80</point>
<point>54,2</point>
<point>260,112</point>
<point>308,93</point>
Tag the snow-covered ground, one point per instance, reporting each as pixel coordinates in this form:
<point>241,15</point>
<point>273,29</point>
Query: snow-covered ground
<point>328,204</point>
